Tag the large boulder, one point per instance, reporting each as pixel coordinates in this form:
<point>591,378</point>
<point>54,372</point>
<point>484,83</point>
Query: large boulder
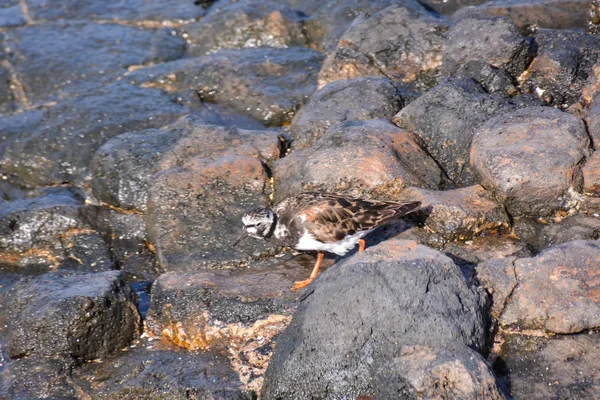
<point>531,159</point>
<point>403,42</point>
<point>469,40</point>
<point>556,290</point>
<point>55,60</point>
<point>54,146</point>
<point>246,24</point>
<point>445,118</point>
<point>347,100</point>
<point>70,315</point>
<point>394,321</point>
<point>268,84</point>
<point>362,158</point>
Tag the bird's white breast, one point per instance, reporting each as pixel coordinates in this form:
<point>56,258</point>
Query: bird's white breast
<point>308,242</point>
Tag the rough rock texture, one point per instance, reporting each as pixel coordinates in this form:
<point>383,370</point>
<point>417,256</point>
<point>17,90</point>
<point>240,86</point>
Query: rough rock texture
<point>403,42</point>
<point>469,40</point>
<point>591,175</point>
<point>238,312</point>
<point>564,71</point>
<point>592,120</point>
<point>449,6</point>
<point>579,226</point>
<point>268,84</point>
<point>347,100</point>
<point>557,290</point>
<point>53,229</point>
<point>11,14</point>
<point>362,158</point>
<point>37,377</point>
<point>53,60</point>
<point>397,303</point>
<point>459,213</point>
<point>75,316</point>
<point>498,277</point>
<point>246,24</point>
<point>444,119</point>
<point>124,167</point>
<point>136,10</point>
<point>531,159</point>
<point>161,374</point>
<point>563,367</point>
<point>552,14</point>
<point>329,19</point>
<point>55,145</point>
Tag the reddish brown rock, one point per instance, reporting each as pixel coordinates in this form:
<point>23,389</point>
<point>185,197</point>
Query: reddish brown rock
<point>370,158</point>
<point>403,42</point>
<point>459,213</point>
<point>591,175</point>
<point>531,159</point>
<point>558,290</point>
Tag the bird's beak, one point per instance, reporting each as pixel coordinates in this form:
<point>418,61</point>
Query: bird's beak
<point>242,237</point>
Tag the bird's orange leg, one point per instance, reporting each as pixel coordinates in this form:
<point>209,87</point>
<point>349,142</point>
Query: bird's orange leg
<point>361,245</point>
<point>313,274</point>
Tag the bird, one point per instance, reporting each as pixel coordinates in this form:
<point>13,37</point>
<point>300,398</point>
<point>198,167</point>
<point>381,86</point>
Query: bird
<point>325,222</point>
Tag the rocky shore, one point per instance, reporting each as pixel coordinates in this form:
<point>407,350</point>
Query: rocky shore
<point>134,135</point>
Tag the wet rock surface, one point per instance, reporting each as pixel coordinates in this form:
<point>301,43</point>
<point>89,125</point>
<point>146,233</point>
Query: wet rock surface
<point>403,42</point>
<point>336,343</point>
<point>247,24</point>
<point>134,135</point>
<point>531,159</point>
<point>347,100</point>
<point>268,84</point>
<point>362,158</point>
<point>69,315</point>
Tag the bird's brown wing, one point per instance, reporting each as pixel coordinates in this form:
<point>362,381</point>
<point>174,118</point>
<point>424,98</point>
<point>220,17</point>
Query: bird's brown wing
<point>331,217</point>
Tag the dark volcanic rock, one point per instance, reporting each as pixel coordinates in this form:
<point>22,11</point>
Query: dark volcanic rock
<point>576,227</point>
<point>459,213</point>
<point>563,72</point>
<point>403,42</point>
<point>161,374</point>
<point>373,324</point>
<point>37,378</point>
<point>563,367</point>
<point>498,277</point>
<point>54,146</point>
<point>592,119</point>
<point>445,119</point>
<point>449,6</point>
<point>347,100</point>
<point>55,229</point>
<point>329,19</point>
<point>75,316</point>
<point>469,40</point>
<point>123,168</point>
<point>135,10</point>
<point>246,24</point>
<point>6,95</point>
<point>531,159</point>
<point>553,14</point>
<point>58,59</point>
<point>557,290</point>
<point>362,158</point>
<point>238,312</point>
<point>268,84</point>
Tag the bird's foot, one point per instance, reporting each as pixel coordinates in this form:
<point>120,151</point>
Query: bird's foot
<point>300,284</point>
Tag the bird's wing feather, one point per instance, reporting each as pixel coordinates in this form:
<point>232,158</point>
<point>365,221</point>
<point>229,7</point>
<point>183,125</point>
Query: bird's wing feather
<point>330,218</point>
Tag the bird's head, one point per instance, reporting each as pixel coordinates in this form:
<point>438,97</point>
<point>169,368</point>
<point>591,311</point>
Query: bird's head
<point>258,223</point>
